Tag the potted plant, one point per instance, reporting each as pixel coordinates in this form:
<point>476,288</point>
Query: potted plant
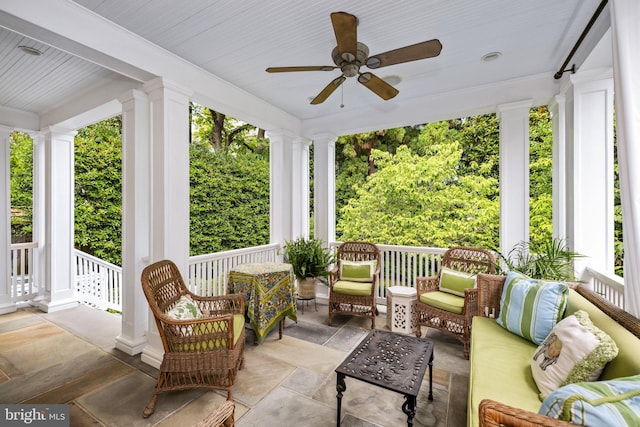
<point>310,261</point>
<point>549,260</point>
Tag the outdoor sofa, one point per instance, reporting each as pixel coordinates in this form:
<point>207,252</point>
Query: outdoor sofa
<point>502,390</point>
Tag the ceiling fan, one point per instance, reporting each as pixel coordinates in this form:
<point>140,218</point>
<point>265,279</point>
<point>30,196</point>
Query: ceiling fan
<point>349,55</point>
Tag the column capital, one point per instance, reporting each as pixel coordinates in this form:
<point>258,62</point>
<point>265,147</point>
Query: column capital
<point>524,105</point>
<point>133,95</point>
<point>159,84</point>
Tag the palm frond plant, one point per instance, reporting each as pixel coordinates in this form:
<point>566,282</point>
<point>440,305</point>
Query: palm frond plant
<point>308,257</point>
<point>548,260</point>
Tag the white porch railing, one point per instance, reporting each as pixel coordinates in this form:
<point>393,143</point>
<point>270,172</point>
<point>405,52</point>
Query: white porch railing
<point>611,287</point>
<point>97,282</point>
<point>23,283</point>
<point>208,273</point>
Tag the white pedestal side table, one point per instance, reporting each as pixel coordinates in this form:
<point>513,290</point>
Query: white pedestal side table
<point>401,309</point>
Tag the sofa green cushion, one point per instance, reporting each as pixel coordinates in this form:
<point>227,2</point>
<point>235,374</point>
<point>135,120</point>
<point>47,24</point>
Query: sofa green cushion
<point>455,282</point>
<point>348,287</point>
<point>500,368</point>
<point>443,300</point>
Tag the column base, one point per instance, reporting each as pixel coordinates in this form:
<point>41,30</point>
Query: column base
<point>52,306</point>
<point>152,357</point>
<point>9,307</point>
<point>131,346</point>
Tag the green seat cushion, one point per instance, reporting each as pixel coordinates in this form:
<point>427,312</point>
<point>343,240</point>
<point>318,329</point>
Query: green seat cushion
<point>443,300</point>
<point>347,287</point>
<point>500,368</point>
<point>455,282</point>
<point>203,328</point>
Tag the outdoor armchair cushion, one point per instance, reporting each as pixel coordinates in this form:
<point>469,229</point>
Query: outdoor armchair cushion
<point>455,282</point>
<point>357,271</point>
<point>443,300</point>
<point>348,287</point>
<point>184,309</point>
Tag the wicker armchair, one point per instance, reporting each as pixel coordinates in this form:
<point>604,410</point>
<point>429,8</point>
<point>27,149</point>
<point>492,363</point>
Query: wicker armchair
<point>223,416</point>
<point>205,352</point>
<point>467,260</point>
<point>350,296</point>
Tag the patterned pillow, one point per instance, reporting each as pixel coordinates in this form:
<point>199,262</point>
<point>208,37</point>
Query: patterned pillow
<point>600,403</point>
<point>530,308</point>
<point>455,282</point>
<point>357,271</point>
<point>185,309</point>
<point>575,350</point>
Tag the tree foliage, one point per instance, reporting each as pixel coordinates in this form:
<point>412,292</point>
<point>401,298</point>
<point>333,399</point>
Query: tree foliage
<point>98,190</point>
<point>21,178</point>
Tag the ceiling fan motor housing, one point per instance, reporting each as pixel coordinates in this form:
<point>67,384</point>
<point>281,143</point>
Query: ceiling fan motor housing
<point>350,68</point>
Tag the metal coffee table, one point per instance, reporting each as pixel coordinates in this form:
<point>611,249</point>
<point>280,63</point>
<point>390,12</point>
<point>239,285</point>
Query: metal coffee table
<point>391,361</point>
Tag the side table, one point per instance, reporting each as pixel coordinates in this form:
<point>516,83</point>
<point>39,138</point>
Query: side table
<point>401,309</point>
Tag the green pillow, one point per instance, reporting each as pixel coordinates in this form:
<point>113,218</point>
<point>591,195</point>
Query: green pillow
<point>455,282</point>
<point>357,271</point>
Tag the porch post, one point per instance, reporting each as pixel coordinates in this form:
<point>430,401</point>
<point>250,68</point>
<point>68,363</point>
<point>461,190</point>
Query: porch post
<point>559,167</point>
<point>6,303</point>
<point>39,211</point>
<point>59,206</point>
<point>514,174</point>
<point>324,187</point>
<point>135,219</point>
<point>590,221</point>
<point>299,187</point>
<point>169,195</point>
<point>280,185</point>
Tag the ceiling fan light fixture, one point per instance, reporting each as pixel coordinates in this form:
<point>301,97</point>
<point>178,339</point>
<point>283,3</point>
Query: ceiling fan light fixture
<point>30,50</point>
<point>491,56</point>
<point>392,79</point>
<point>373,62</point>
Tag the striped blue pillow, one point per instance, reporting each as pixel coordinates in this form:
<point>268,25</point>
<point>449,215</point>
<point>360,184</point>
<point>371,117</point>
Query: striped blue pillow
<point>530,307</point>
<point>599,403</point>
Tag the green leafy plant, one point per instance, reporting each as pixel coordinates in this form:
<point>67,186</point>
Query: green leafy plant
<point>308,257</point>
<point>549,260</point>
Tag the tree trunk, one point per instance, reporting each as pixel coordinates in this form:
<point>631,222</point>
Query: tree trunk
<point>216,131</point>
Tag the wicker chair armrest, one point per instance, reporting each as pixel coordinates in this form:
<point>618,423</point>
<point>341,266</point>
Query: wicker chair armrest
<point>489,294</point>
<point>427,283</point>
<point>333,275</point>
<point>496,414</point>
<point>221,304</point>
<point>182,333</point>
<point>222,416</point>
<point>470,308</point>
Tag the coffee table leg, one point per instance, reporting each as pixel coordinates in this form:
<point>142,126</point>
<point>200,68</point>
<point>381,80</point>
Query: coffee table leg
<point>409,408</point>
<point>430,379</point>
<point>340,387</point>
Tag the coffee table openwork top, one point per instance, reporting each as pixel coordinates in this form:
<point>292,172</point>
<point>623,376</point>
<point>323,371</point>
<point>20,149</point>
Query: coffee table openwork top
<point>391,361</point>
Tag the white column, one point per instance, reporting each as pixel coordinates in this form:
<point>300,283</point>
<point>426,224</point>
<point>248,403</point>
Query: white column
<point>39,212</point>
<point>169,203</point>
<point>590,198</point>
<point>299,187</point>
<point>6,304</point>
<point>324,187</point>
<point>514,174</point>
<point>559,167</point>
<point>59,212</point>
<point>280,185</point>
<point>136,169</point>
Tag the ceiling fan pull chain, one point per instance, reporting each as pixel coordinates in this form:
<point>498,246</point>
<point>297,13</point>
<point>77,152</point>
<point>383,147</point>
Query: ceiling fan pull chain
<point>342,97</point>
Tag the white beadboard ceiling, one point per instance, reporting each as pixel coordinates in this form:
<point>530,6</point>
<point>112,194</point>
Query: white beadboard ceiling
<point>236,40</point>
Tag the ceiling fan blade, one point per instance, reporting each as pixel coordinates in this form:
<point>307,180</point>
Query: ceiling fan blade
<point>345,28</point>
<point>414,52</point>
<point>328,90</point>
<point>307,68</point>
<point>378,86</point>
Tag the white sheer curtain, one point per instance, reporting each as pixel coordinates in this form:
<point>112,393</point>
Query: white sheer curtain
<point>625,19</point>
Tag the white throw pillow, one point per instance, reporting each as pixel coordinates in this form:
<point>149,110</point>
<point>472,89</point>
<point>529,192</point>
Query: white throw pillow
<point>185,309</point>
<point>575,351</point>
